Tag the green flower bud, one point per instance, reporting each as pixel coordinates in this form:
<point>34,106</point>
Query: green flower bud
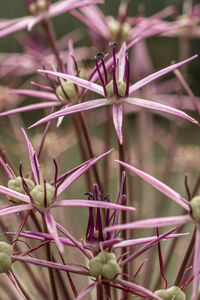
<point>42,4</point>
<point>6,248</point>
<point>38,194</point>
<point>118,30</point>
<point>104,264</point>
<point>195,205</point>
<point>69,89</point>
<point>5,262</point>
<point>173,293</point>
<point>32,8</point>
<point>121,85</point>
<point>16,185</point>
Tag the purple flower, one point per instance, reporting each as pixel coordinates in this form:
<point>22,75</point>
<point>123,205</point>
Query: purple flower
<point>39,195</point>
<point>41,10</point>
<point>117,92</point>
<point>192,208</point>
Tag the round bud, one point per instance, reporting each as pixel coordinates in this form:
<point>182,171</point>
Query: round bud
<point>173,293</point>
<point>121,88</point>
<point>5,262</point>
<point>38,194</point>
<point>6,248</point>
<point>67,91</point>
<point>17,186</point>
<point>195,205</point>
<point>32,8</point>
<point>118,30</point>
<point>104,264</point>
<point>42,4</point>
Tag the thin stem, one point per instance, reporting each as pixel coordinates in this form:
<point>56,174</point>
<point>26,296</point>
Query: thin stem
<point>50,270</point>
<point>52,39</point>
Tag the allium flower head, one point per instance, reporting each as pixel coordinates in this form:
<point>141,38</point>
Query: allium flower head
<point>117,91</point>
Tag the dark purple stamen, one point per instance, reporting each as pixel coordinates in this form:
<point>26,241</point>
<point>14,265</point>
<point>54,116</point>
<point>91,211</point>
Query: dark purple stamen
<point>43,87</point>
<point>97,197</point>
<point>62,66</point>
<point>187,188</point>
<point>100,77</point>
<point>115,88</point>
<point>63,90</point>
<point>113,44</point>
<point>50,80</point>
<point>36,167</point>
<point>127,76</point>
<point>24,184</point>
<point>44,136</point>
<point>102,55</point>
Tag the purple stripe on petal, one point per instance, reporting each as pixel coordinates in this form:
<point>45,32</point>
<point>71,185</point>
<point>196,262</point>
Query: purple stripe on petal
<point>33,158</point>
<point>160,107</point>
<point>163,188</point>
<point>86,290</point>
<point>158,74</point>
<point>137,288</point>
<point>152,223</point>
<point>49,264</point>
<point>139,241</point>
<point>89,203</point>
<point>6,191</point>
<point>73,109</point>
<point>51,226</point>
<point>15,209</point>
<point>117,112</point>
<point>30,107</point>
<point>121,62</point>
<point>81,82</point>
<point>36,94</point>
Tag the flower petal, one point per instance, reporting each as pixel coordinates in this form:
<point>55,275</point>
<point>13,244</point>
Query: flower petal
<point>30,107</point>
<point>18,25</point>
<point>34,93</point>
<point>6,191</point>
<point>121,62</point>
<point>160,107</point>
<point>15,209</point>
<point>33,158</point>
<point>79,81</point>
<point>89,203</point>
<point>139,241</point>
<point>152,223</point>
<point>158,74</point>
<point>163,188</point>
<point>51,226</point>
<point>196,262</point>
<point>117,112</point>
<point>73,109</point>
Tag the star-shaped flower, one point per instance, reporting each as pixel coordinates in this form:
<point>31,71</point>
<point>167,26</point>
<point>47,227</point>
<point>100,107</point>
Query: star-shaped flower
<point>192,209</point>
<point>116,92</point>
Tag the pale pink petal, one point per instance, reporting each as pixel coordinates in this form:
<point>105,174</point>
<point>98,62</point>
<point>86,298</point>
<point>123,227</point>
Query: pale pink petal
<point>86,290</point>
<point>89,203</point>
<point>121,61</point>
<point>79,81</point>
<point>139,241</point>
<point>163,188</point>
<point>158,74</point>
<point>51,227</point>
<point>30,107</point>
<point>6,191</point>
<point>35,94</point>
<point>49,264</point>
<point>33,158</point>
<point>196,263</point>
<point>160,107</point>
<point>137,288</point>
<point>20,24</point>
<point>79,172</point>
<point>60,119</point>
<point>152,223</point>
<point>15,209</point>
<point>73,109</point>
<point>117,112</point>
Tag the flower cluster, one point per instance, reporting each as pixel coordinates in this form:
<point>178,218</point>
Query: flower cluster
<point>68,203</point>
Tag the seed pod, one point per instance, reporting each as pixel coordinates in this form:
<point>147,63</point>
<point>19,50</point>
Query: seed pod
<point>5,262</point>
<point>17,186</point>
<point>6,248</point>
<point>195,205</point>
<point>38,194</point>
